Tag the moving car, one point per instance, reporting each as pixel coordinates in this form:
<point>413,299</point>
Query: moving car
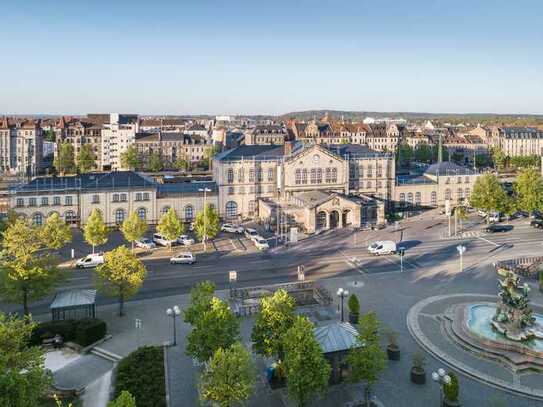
<point>498,228</point>
<point>382,247</point>
<point>251,233</point>
<point>261,243</point>
<point>145,243</point>
<point>185,240</point>
<point>162,241</point>
<point>183,258</point>
<point>537,223</point>
<point>91,260</point>
<point>227,227</point>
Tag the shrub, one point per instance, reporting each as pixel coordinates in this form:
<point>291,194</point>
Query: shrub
<point>354,305</point>
<point>451,390</point>
<point>142,374</point>
<point>81,331</point>
<point>392,338</point>
<point>418,361</point>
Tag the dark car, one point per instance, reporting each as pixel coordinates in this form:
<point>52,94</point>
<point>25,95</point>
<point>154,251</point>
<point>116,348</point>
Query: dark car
<point>536,215</point>
<point>537,223</point>
<point>498,228</point>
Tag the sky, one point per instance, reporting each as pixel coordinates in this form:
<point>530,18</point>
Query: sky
<point>271,57</point>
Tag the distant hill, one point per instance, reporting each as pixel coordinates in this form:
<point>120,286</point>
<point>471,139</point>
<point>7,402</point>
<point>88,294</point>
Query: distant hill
<point>453,118</point>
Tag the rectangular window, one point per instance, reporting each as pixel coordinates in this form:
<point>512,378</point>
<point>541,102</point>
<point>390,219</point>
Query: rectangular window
<point>44,201</point>
<point>115,198</point>
<point>270,174</point>
<point>328,175</point>
<point>259,175</point>
<point>251,175</point>
<point>20,202</point>
<point>56,200</point>
<point>68,200</point>
<point>146,196</point>
<point>96,199</point>
<point>123,197</point>
<point>138,196</point>
<point>298,176</point>
<point>319,175</point>
<point>313,176</point>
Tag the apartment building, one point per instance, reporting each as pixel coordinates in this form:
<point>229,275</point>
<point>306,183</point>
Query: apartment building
<point>118,133</point>
<point>21,147</point>
<point>518,141</point>
<point>171,146</point>
<point>267,135</point>
<point>79,132</point>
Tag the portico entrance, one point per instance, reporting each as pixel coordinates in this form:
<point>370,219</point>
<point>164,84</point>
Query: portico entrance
<point>334,219</point>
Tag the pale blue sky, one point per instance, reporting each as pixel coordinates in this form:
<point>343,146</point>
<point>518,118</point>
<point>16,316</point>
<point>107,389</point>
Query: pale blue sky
<point>258,57</point>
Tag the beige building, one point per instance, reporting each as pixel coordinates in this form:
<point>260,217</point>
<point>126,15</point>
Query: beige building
<point>282,176</point>
<point>171,146</point>
<point>518,141</point>
<point>266,135</point>
<point>114,194</point>
<point>21,147</point>
<point>439,183</point>
<point>79,132</point>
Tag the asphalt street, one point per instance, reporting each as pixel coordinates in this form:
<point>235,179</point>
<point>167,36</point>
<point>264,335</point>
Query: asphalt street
<point>338,253</point>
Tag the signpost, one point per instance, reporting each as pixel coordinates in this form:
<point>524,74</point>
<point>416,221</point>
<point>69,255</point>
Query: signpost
<point>301,273</point>
<point>401,252</point>
<point>461,250</point>
<point>232,279</point>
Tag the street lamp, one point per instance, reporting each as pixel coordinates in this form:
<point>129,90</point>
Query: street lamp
<point>204,190</point>
<point>442,379</point>
<point>174,313</point>
<point>342,293</point>
<point>461,250</point>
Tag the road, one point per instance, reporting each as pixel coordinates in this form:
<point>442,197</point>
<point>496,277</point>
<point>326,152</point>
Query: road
<point>331,254</point>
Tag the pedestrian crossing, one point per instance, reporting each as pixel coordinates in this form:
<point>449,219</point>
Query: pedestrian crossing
<point>470,234</point>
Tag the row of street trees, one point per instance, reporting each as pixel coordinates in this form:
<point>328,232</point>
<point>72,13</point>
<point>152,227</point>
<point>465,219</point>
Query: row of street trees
<point>229,373</point>
<point>489,195</point>
<point>67,163</point>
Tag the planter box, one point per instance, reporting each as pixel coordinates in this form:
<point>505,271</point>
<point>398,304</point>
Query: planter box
<point>418,376</point>
<point>393,353</point>
<point>448,403</point>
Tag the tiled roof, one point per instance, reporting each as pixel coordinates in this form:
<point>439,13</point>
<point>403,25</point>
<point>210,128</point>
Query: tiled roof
<point>448,168</point>
<point>187,187</point>
<point>73,298</point>
<point>250,152</point>
<point>89,181</point>
<point>336,337</point>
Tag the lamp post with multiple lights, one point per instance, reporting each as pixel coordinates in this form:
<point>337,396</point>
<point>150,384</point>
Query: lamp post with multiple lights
<point>174,313</point>
<point>342,293</point>
<point>441,378</point>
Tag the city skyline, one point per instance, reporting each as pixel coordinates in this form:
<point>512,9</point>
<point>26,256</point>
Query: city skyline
<point>217,58</point>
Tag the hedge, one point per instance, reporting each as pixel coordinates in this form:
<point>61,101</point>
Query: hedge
<point>142,374</point>
<point>81,331</point>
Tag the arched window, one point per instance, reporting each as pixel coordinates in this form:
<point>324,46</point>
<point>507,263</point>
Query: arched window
<point>37,219</point>
<point>298,176</point>
<point>319,175</point>
<point>165,209</point>
<point>434,198</point>
<point>467,193</point>
<point>328,175</point>
<point>313,175</point>
<point>142,213</point>
<point>334,175</point>
<point>231,209</point>
<point>402,197</point>
<point>119,216</point>
<point>447,194</point>
<point>460,194</point>
<point>251,207</point>
<point>69,217</point>
<point>230,176</point>
<point>189,212</point>
<point>304,176</point>
<point>410,198</point>
<point>270,174</point>
<point>418,198</point>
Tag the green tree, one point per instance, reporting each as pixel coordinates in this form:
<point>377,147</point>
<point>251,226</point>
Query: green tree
<point>200,301</point>
<point>49,135</point>
<point>423,153</point>
<point>482,160</point>
<point>229,377</point>
<point>95,230</point>
<point>367,360</point>
<point>26,272</point>
<point>65,160</point>
<point>207,225</point>
<point>23,380</point>
<point>405,155</point>
<point>55,233</point>
<point>275,318</point>
<point>125,399</point>
<point>170,226</point>
<point>182,164</point>
<point>154,163</point>
<point>461,214</point>
<point>133,228</point>
<point>86,160</point>
<point>498,157</point>
<point>209,153</point>
<point>529,190</point>
<point>354,305</point>
<point>457,157</point>
<point>217,328</point>
<point>488,194</point>
<point>121,275</point>
<point>130,158</point>
<point>306,368</point>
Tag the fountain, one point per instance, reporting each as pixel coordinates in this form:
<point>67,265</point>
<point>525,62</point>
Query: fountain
<point>514,318</point>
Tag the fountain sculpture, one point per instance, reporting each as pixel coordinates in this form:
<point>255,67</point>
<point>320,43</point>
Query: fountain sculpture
<point>514,318</point>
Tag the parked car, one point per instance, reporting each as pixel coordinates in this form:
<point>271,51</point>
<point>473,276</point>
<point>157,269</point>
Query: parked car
<point>537,223</point>
<point>183,258</point>
<point>162,241</point>
<point>91,260</point>
<point>250,233</point>
<point>261,243</point>
<point>227,227</point>
<point>482,213</point>
<point>536,214</point>
<point>495,217</point>
<point>520,214</point>
<point>145,243</point>
<point>382,247</point>
<point>498,228</point>
<point>185,240</point>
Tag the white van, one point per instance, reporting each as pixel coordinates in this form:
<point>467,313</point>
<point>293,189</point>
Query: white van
<point>183,258</point>
<point>382,247</point>
<point>162,241</point>
<point>261,243</point>
<point>91,260</point>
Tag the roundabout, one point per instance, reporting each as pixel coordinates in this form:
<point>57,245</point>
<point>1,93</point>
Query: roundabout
<point>457,330</point>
